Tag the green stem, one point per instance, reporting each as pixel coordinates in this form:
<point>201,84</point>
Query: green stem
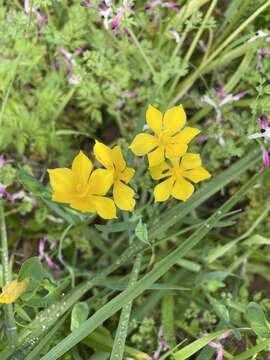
<point>233,22</point>
<point>60,256</point>
<point>198,34</point>
<point>136,41</point>
<point>8,308</point>
<point>122,329</point>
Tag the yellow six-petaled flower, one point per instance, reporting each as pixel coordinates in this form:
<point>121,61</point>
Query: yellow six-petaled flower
<point>114,162</point>
<point>171,138</point>
<point>178,172</point>
<point>82,188</point>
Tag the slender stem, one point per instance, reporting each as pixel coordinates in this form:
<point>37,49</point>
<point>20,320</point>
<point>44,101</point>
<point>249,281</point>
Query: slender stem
<point>198,34</point>
<point>8,308</point>
<point>136,41</point>
<point>121,333</point>
<point>60,256</point>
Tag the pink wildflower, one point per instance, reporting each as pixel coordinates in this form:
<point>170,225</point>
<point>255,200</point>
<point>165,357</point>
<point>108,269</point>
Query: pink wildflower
<point>42,255</point>
<point>162,344</point>
<point>218,346</point>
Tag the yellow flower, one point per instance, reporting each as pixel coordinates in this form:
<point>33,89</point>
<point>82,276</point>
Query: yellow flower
<point>169,140</point>
<point>188,167</point>
<point>114,162</point>
<point>82,188</point>
<point>13,290</point>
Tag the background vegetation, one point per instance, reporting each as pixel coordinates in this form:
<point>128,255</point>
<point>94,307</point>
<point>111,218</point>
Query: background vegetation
<point>69,74</point>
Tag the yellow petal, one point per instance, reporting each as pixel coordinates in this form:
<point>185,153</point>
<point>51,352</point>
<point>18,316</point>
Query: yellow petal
<point>163,190</point>
<point>182,189</point>
<point>190,161</point>
<point>154,119</point>
<point>62,197</point>
<point>160,171</point>
<point>197,175</point>
<point>103,154</point>
<point>127,175</point>
<point>105,207</point>
<point>175,150</point>
<point>100,181</point>
<point>118,158</point>
<point>156,157</point>
<point>61,180</point>
<point>85,204</point>
<point>143,144</point>
<point>123,196</point>
<point>174,119</point>
<point>186,135</point>
<point>82,167</point>
<point>13,290</point>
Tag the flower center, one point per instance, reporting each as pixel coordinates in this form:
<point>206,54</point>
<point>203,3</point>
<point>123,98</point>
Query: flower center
<point>164,137</point>
<point>177,172</point>
<point>81,190</point>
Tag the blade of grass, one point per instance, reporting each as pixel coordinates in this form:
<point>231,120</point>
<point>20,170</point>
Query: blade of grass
<point>46,339</point>
<point>159,270</point>
<point>197,345</point>
<point>122,329</point>
<point>167,317</point>
<point>10,324</point>
<point>253,351</point>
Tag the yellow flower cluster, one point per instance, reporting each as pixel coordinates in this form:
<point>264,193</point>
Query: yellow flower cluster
<point>86,189</point>
<point>167,153</point>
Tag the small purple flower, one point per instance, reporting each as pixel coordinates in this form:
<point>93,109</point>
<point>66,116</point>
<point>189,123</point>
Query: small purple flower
<point>171,5</point>
<point>263,53</point>
<point>152,5</point>
<point>2,161</point>
<point>265,157</point>
<point>117,20</point>
<point>42,255</point>
<point>218,346</point>
<point>131,94</point>
<point>162,344</point>
<point>87,4</point>
<point>264,130</point>
<point>70,62</point>
<point>2,190</point>
<point>263,122</point>
<point>120,105</point>
<point>224,99</point>
<point>15,196</point>
<point>259,35</point>
<point>39,16</point>
<point>105,11</point>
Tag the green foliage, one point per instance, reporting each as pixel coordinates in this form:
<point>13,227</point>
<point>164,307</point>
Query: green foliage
<point>212,266</point>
